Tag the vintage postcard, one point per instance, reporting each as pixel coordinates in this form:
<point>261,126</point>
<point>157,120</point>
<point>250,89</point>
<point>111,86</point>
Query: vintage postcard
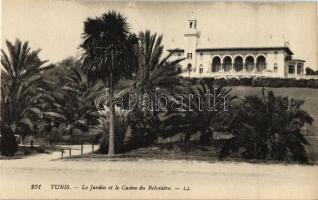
<point>128,99</point>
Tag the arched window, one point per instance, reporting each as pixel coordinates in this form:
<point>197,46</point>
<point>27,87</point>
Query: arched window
<point>249,62</point>
<point>238,63</point>
<point>216,64</point>
<point>227,63</point>
<point>260,63</point>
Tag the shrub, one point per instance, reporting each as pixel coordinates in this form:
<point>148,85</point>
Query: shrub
<point>279,82</point>
<point>196,118</point>
<point>257,82</point>
<point>40,149</point>
<point>246,81</point>
<point>301,83</point>
<point>267,82</point>
<point>268,128</point>
<point>9,144</point>
<point>208,81</point>
<point>291,82</point>
<point>120,130</point>
<point>143,128</point>
<point>220,82</point>
<point>315,83</point>
<point>233,82</point>
<point>312,83</point>
<point>26,151</point>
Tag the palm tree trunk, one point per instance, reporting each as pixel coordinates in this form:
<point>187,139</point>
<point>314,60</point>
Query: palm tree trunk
<point>111,144</point>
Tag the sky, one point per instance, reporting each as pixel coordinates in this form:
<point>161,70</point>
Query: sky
<point>55,26</point>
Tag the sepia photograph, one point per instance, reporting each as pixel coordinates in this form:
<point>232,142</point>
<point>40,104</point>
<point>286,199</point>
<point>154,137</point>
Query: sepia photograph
<point>105,99</point>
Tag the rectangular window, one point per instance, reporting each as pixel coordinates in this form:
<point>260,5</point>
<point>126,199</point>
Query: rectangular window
<point>201,56</point>
<point>201,70</point>
<point>291,69</point>
<point>299,68</point>
<point>189,55</point>
<point>275,67</point>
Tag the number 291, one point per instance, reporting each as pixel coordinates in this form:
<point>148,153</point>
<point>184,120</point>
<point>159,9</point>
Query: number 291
<point>35,186</point>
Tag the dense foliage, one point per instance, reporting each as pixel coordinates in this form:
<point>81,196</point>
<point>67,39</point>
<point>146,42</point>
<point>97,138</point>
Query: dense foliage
<point>102,128</point>
<point>200,105</point>
<point>264,82</point>
<point>268,127</point>
<point>154,76</point>
<point>23,93</point>
<point>310,71</point>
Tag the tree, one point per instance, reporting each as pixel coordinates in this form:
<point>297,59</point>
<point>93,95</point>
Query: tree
<point>73,96</point>
<point>201,105</point>
<point>108,54</point>
<point>75,100</point>
<point>268,127</point>
<point>154,75</point>
<point>310,71</point>
<point>22,91</point>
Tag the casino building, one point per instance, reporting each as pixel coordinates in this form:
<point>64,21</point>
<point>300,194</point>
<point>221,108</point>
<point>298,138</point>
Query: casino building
<point>274,61</point>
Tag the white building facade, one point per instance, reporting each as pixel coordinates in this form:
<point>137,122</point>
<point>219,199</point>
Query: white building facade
<point>235,61</point>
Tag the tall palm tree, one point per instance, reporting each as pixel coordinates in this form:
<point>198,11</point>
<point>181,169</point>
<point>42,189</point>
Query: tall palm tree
<point>154,75</point>
<point>108,54</point>
<point>22,88</point>
<point>76,99</point>
<point>73,96</point>
<point>155,72</point>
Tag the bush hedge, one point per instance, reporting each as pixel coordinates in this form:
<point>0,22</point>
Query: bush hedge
<point>261,82</point>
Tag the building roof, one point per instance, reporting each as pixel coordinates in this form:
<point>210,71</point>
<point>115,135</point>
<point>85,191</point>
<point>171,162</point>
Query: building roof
<point>176,50</point>
<point>284,48</point>
<point>297,60</point>
<point>246,49</point>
